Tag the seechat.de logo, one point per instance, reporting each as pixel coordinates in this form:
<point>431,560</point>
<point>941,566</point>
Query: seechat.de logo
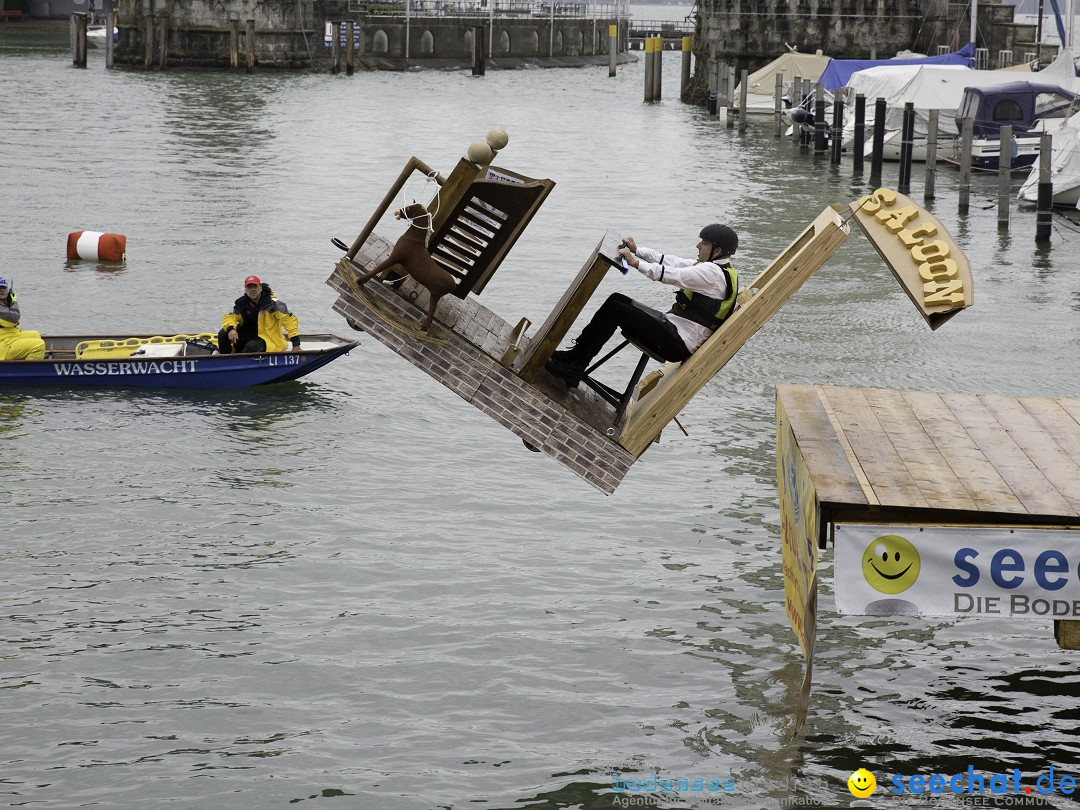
<point>861,783</point>
<point>890,564</point>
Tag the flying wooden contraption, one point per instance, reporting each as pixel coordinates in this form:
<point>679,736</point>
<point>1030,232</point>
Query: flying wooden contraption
<point>597,431</point>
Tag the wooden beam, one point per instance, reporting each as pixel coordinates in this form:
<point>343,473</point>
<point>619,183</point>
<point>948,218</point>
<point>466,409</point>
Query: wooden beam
<point>770,290</point>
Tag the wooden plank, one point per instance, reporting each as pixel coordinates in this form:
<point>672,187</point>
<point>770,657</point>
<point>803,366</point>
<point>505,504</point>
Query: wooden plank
<point>1026,481</point>
<point>834,479</point>
<point>775,285</point>
<point>984,485</point>
<point>940,487</point>
<point>888,475</point>
<point>1052,414</point>
<point>1039,445</point>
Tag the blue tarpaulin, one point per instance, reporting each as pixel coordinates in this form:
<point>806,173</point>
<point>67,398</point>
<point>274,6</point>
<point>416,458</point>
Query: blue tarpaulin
<point>838,72</point>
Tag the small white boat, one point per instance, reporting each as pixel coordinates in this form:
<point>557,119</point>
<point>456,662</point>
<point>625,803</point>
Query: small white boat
<point>1064,168</point>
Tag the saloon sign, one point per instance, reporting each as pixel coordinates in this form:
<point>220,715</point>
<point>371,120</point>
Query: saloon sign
<point>922,255</point>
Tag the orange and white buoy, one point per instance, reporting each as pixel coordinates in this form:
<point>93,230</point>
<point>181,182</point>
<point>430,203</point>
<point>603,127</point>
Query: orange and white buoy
<point>105,247</point>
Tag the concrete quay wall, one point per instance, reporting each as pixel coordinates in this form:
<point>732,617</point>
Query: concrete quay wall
<point>288,34</point>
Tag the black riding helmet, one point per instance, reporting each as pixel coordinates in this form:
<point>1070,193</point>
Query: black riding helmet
<point>721,236</point>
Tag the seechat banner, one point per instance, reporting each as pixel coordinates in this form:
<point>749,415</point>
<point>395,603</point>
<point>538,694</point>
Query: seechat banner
<point>936,571</point>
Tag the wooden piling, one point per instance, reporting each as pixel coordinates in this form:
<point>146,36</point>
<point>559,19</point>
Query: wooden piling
<point>350,46</point>
<point>110,27</point>
<point>742,99</point>
<point>729,91</point>
<point>479,59</point>
<point>907,146</point>
<point>819,119</point>
<point>859,145</point>
<point>778,105</point>
<point>837,142</point>
<point>1044,200</point>
<point>148,42</point>
<point>612,47</point>
<point>1004,174</point>
<point>967,129</point>
<point>163,42</point>
<point>78,39</point>
<point>878,142</point>
<point>249,37</point>
<point>931,154</point>
<point>234,44</point>
<point>687,51</point>
<point>796,129</point>
<point>335,47</point>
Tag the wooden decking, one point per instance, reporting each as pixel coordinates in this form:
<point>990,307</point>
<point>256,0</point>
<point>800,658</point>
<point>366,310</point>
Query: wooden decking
<point>946,458</point>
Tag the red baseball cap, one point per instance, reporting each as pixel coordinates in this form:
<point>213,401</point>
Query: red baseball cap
<point>252,280</point>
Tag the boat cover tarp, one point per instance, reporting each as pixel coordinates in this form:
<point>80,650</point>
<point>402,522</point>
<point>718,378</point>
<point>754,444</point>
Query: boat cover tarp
<point>839,71</point>
<point>1021,105</point>
<point>789,65</point>
<point>940,87</point>
<point>1064,163</point>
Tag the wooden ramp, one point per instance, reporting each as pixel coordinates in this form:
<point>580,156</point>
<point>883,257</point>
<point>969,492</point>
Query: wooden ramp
<point>998,470</point>
<point>911,456</point>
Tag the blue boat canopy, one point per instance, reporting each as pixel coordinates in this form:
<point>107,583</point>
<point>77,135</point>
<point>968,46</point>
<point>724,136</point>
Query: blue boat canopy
<point>838,72</point>
<point>1021,105</point>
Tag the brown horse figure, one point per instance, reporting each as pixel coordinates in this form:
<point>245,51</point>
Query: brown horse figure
<point>410,251</point>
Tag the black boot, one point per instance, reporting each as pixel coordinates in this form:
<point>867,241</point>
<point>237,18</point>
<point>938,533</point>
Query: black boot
<point>568,366</point>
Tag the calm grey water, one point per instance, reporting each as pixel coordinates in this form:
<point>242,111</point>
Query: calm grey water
<point>358,588</point>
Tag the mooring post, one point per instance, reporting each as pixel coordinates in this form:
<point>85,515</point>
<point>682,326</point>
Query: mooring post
<point>931,154</point>
<point>647,45</point>
<point>1045,199</point>
<point>350,47</point>
<point>1004,174</point>
<point>613,35</point>
<point>778,106</point>
<point>479,65</point>
<point>110,27</point>
<point>820,141</point>
<point>796,97</point>
<point>249,36</point>
<point>687,52</point>
<point>234,43</point>
<point>78,39</point>
<point>967,130</point>
<point>163,42</point>
<point>907,146</point>
<point>742,99</point>
<point>658,68</point>
<point>148,42</point>
<point>837,142</point>
<point>729,93</point>
<point>859,146</point>
<point>335,47</point>
<point>878,143</point>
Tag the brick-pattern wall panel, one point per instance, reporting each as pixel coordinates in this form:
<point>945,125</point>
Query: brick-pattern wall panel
<point>454,359</point>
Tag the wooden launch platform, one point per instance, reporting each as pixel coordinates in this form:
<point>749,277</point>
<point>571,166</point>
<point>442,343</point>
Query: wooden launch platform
<point>1000,471</point>
<point>908,456</point>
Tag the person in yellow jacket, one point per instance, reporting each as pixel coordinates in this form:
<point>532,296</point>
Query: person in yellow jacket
<point>15,344</point>
<point>259,322</point>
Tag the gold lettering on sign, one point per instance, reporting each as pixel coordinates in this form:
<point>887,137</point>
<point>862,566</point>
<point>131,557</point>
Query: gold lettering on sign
<point>942,285</point>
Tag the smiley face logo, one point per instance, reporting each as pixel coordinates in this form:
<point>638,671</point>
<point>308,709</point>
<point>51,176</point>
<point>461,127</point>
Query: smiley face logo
<point>890,564</point>
<point>861,783</point>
